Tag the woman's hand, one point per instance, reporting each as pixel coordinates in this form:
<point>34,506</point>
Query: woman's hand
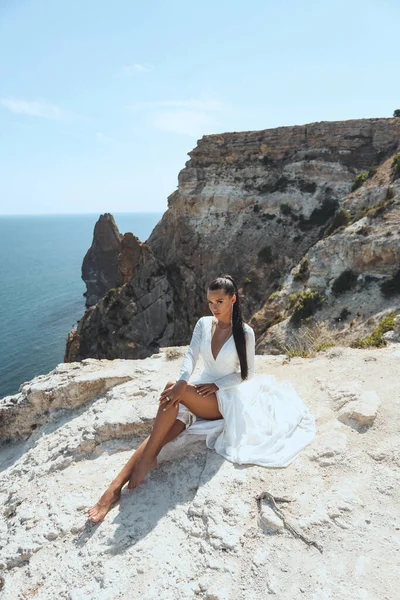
<point>171,396</point>
<point>205,389</point>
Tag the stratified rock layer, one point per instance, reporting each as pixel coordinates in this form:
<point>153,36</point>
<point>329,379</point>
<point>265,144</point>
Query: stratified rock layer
<point>254,204</point>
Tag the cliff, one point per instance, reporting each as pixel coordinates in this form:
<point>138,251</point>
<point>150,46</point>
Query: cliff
<point>199,526</point>
<point>279,210</point>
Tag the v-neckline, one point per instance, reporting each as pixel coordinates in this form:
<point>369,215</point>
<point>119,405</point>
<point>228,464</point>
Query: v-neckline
<point>220,350</point>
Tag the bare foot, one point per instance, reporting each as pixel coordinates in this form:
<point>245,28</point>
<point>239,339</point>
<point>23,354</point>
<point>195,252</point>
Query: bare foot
<point>99,510</point>
<point>142,467</point>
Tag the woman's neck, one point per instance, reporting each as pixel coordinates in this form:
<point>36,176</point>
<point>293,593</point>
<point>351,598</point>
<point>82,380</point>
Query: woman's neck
<point>223,324</point>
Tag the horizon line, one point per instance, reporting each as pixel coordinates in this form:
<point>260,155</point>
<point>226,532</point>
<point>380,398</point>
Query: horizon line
<point>143,212</point>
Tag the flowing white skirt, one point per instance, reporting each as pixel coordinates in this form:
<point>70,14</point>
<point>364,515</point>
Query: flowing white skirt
<point>265,423</point>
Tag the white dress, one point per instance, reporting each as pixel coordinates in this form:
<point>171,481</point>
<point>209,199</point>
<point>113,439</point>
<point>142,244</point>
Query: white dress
<point>264,422</point>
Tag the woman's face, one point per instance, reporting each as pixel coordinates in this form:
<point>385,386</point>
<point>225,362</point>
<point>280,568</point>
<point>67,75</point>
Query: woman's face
<point>220,304</point>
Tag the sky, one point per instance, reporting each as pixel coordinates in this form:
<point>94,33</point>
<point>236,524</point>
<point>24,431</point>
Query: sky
<point>100,102</point>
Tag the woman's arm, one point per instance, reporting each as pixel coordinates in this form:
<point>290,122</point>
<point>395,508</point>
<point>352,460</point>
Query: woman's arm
<point>234,378</point>
<point>192,354</point>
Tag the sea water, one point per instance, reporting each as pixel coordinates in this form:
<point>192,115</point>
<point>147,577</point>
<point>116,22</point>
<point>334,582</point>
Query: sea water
<point>41,290</point>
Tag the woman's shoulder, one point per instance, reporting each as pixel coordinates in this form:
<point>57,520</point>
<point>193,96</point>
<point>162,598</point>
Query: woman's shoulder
<point>202,321</point>
<point>205,319</point>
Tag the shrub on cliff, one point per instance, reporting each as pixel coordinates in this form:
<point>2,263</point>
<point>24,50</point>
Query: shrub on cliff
<point>303,273</point>
<point>396,166</point>
<point>305,304</point>
<point>307,340</point>
<point>376,338</point>
<point>359,180</point>
<point>396,112</point>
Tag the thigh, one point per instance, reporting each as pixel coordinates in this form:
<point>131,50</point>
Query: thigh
<point>205,407</point>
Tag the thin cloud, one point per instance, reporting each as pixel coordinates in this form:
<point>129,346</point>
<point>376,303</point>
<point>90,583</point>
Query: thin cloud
<point>39,109</point>
<point>135,69</point>
<point>193,117</point>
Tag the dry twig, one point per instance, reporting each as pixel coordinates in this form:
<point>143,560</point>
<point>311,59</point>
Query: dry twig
<point>280,514</point>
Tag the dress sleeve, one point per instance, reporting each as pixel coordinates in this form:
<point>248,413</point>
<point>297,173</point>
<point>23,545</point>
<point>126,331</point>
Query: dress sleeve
<point>235,378</point>
<point>192,354</point>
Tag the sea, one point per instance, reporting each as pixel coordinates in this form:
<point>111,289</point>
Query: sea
<point>41,290</point>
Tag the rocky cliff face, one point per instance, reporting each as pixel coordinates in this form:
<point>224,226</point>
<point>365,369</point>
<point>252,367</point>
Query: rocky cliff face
<point>276,209</point>
<point>100,265</point>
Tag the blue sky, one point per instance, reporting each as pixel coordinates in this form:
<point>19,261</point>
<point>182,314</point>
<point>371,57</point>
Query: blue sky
<point>101,101</point>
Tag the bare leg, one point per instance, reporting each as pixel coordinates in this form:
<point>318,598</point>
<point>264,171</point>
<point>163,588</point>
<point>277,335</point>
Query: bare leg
<point>147,459</point>
<point>113,492</point>
<point>205,407</point>
<point>165,429</point>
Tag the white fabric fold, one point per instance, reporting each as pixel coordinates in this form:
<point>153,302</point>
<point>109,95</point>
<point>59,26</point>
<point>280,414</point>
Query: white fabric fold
<point>265,422</point>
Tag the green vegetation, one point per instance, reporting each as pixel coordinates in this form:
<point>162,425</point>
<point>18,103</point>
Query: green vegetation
<point>109,296</point>
<point>305,304</point>
<point>277,318</point>
<point>303,272</point>
<point>376,337</point>
<point>377,209</point>
<point>273,295</point>
<point>359,180</point>
<point>396,166</point>
<point>308,339</point>
<point>346,281</point>
<point>324,346</point>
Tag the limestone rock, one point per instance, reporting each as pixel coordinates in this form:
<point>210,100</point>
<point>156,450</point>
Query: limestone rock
<point>192,529</point>
<point>258,204</point>
<point>361,414</point>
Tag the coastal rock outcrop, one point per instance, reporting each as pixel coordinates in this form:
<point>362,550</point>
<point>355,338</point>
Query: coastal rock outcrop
<point>279,210</point>
<point>100,265</point>
<point>132,320</point>
<point>198,526</point>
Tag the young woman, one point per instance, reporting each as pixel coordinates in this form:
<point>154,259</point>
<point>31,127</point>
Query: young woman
<point>247,418</point>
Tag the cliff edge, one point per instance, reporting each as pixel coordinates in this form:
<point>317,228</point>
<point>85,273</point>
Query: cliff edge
<point>326,526</point>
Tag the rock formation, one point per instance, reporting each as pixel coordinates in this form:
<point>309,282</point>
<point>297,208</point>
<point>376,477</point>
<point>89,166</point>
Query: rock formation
<point>100,265</point>
<point>199,526</point>
<point>280,211</point>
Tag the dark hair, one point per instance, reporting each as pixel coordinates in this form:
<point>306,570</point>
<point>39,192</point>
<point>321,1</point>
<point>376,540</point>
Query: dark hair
<point>227,284</point>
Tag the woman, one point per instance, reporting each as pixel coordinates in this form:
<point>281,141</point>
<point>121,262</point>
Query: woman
<point>247,419</point>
